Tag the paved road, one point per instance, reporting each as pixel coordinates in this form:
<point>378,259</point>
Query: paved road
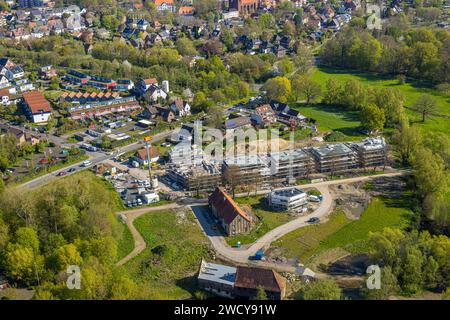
<point>242,255</point>
<point>94,157</point>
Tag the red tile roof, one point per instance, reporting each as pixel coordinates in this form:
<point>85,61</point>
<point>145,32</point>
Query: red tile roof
<point>225,206</point>
<point>186,10</point>
<point>142,153</point>
<point>36,102</point>
<point>150,81</point>
<point>160,2</point>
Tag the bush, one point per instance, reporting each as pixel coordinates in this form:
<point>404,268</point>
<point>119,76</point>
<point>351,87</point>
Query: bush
<point>336,136</point>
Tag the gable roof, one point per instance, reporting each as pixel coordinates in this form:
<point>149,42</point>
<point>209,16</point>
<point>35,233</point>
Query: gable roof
<point>150,81</point>
<point>252,278</point>
<point>225,206</point>
<point>142,153</point>
<point>264,109</point>
<point>36,102</point>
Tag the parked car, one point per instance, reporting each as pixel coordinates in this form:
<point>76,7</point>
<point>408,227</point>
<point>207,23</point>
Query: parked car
<point>313,220</point>
<point>72,170</point>
<point>61,173</point>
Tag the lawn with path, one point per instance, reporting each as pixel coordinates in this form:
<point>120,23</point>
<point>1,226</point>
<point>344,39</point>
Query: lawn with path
<point>340,232</point>
<point>175,246</point>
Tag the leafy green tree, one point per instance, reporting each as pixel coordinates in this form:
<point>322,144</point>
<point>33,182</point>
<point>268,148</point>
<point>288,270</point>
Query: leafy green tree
<point>278,88</point>
<point>67,255</point>
<point>261,294</point>
<point>406,139</point>
<point>429,172</point>
<point>333,92</point>
<point>123,288</point>
<point>4,234</point>
<point>325,289</point>
<point>22,264</point>
<point>411,276</point>
<point>373,118</point>
<point>27,237</point>
<point>186,47</point>
<point>389,286</point>
<point>425,105</point>
<point>303,86</point>
<point>391,101</point>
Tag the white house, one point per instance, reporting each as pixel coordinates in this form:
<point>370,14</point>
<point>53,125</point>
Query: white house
<point>180,108</point>
<point>287,199</point>
<point>37,107</point>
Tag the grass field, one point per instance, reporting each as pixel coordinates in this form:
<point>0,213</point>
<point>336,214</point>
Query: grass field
<point>126,242</point>
<point>175,247</point>
<point>268,220</point>
<point>334,118</point>
<point>340,232</point>
<point>412,92</point>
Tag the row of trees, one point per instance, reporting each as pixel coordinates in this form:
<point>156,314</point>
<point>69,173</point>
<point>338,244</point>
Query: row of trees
<point>421,53</point>
<point>429,156</point>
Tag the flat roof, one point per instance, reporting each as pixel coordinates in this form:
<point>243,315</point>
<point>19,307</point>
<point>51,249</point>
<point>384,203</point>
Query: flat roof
<point>288,192</point>
<point>285,155</point>
<point>217,273</point>
<point>332,149</point>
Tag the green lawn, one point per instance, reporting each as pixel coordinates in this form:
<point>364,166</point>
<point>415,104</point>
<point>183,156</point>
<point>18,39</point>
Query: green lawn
<point>340,232</point>
<point>334,118</point>
<point>126,242</point>
<point>412,92</point>
<point>175,247</point>
<point>268,220</point>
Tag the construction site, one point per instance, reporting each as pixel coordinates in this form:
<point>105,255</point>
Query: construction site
<point>189,169</point>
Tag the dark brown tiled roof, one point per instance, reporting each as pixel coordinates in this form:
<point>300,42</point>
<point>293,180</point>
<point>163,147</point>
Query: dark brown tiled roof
<point>225,206</point>
<point>252,278</point>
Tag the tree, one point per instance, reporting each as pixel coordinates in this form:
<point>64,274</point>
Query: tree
<point>278,88</point>
<point>406,139</point>
<point>22,264</point>
<point>391,101</point>
<point>4,234</point>
<point>186,47</point>
<point>325,289</point>
<point>333,93</point>
<point>304,59</point>
<point>261,294</point>
<point>429,172</point>
<point>389,286</point>
<point>67,255</point>
<point>215,116</point>
<point>307,88</point>
<point>123,288</point>
<point>425,105</point>
<point>373,118</point>
<point>27,237</point>
<point>411,276</point>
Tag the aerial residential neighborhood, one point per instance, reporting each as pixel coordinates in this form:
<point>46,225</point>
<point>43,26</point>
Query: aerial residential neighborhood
<point>239,150</point>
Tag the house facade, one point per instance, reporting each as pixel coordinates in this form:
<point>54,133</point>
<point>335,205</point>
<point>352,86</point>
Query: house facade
<point>232,218</point>
<point>37,107</point>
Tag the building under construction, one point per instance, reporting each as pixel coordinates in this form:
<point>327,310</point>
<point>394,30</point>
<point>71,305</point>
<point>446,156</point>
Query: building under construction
<point>246,170</point>
<point>371,152</point>
<point>290,164</point>
<point>334,158</point>
<point>203,177</point>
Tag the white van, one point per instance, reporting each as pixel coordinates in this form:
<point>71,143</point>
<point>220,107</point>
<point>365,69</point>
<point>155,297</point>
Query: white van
<point>86,163</point>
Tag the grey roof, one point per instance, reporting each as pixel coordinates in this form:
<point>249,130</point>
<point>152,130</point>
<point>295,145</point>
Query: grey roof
<point>331,149</point>
<point>217,273</point>
<point>288,192</point>
<point>285,155</point>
